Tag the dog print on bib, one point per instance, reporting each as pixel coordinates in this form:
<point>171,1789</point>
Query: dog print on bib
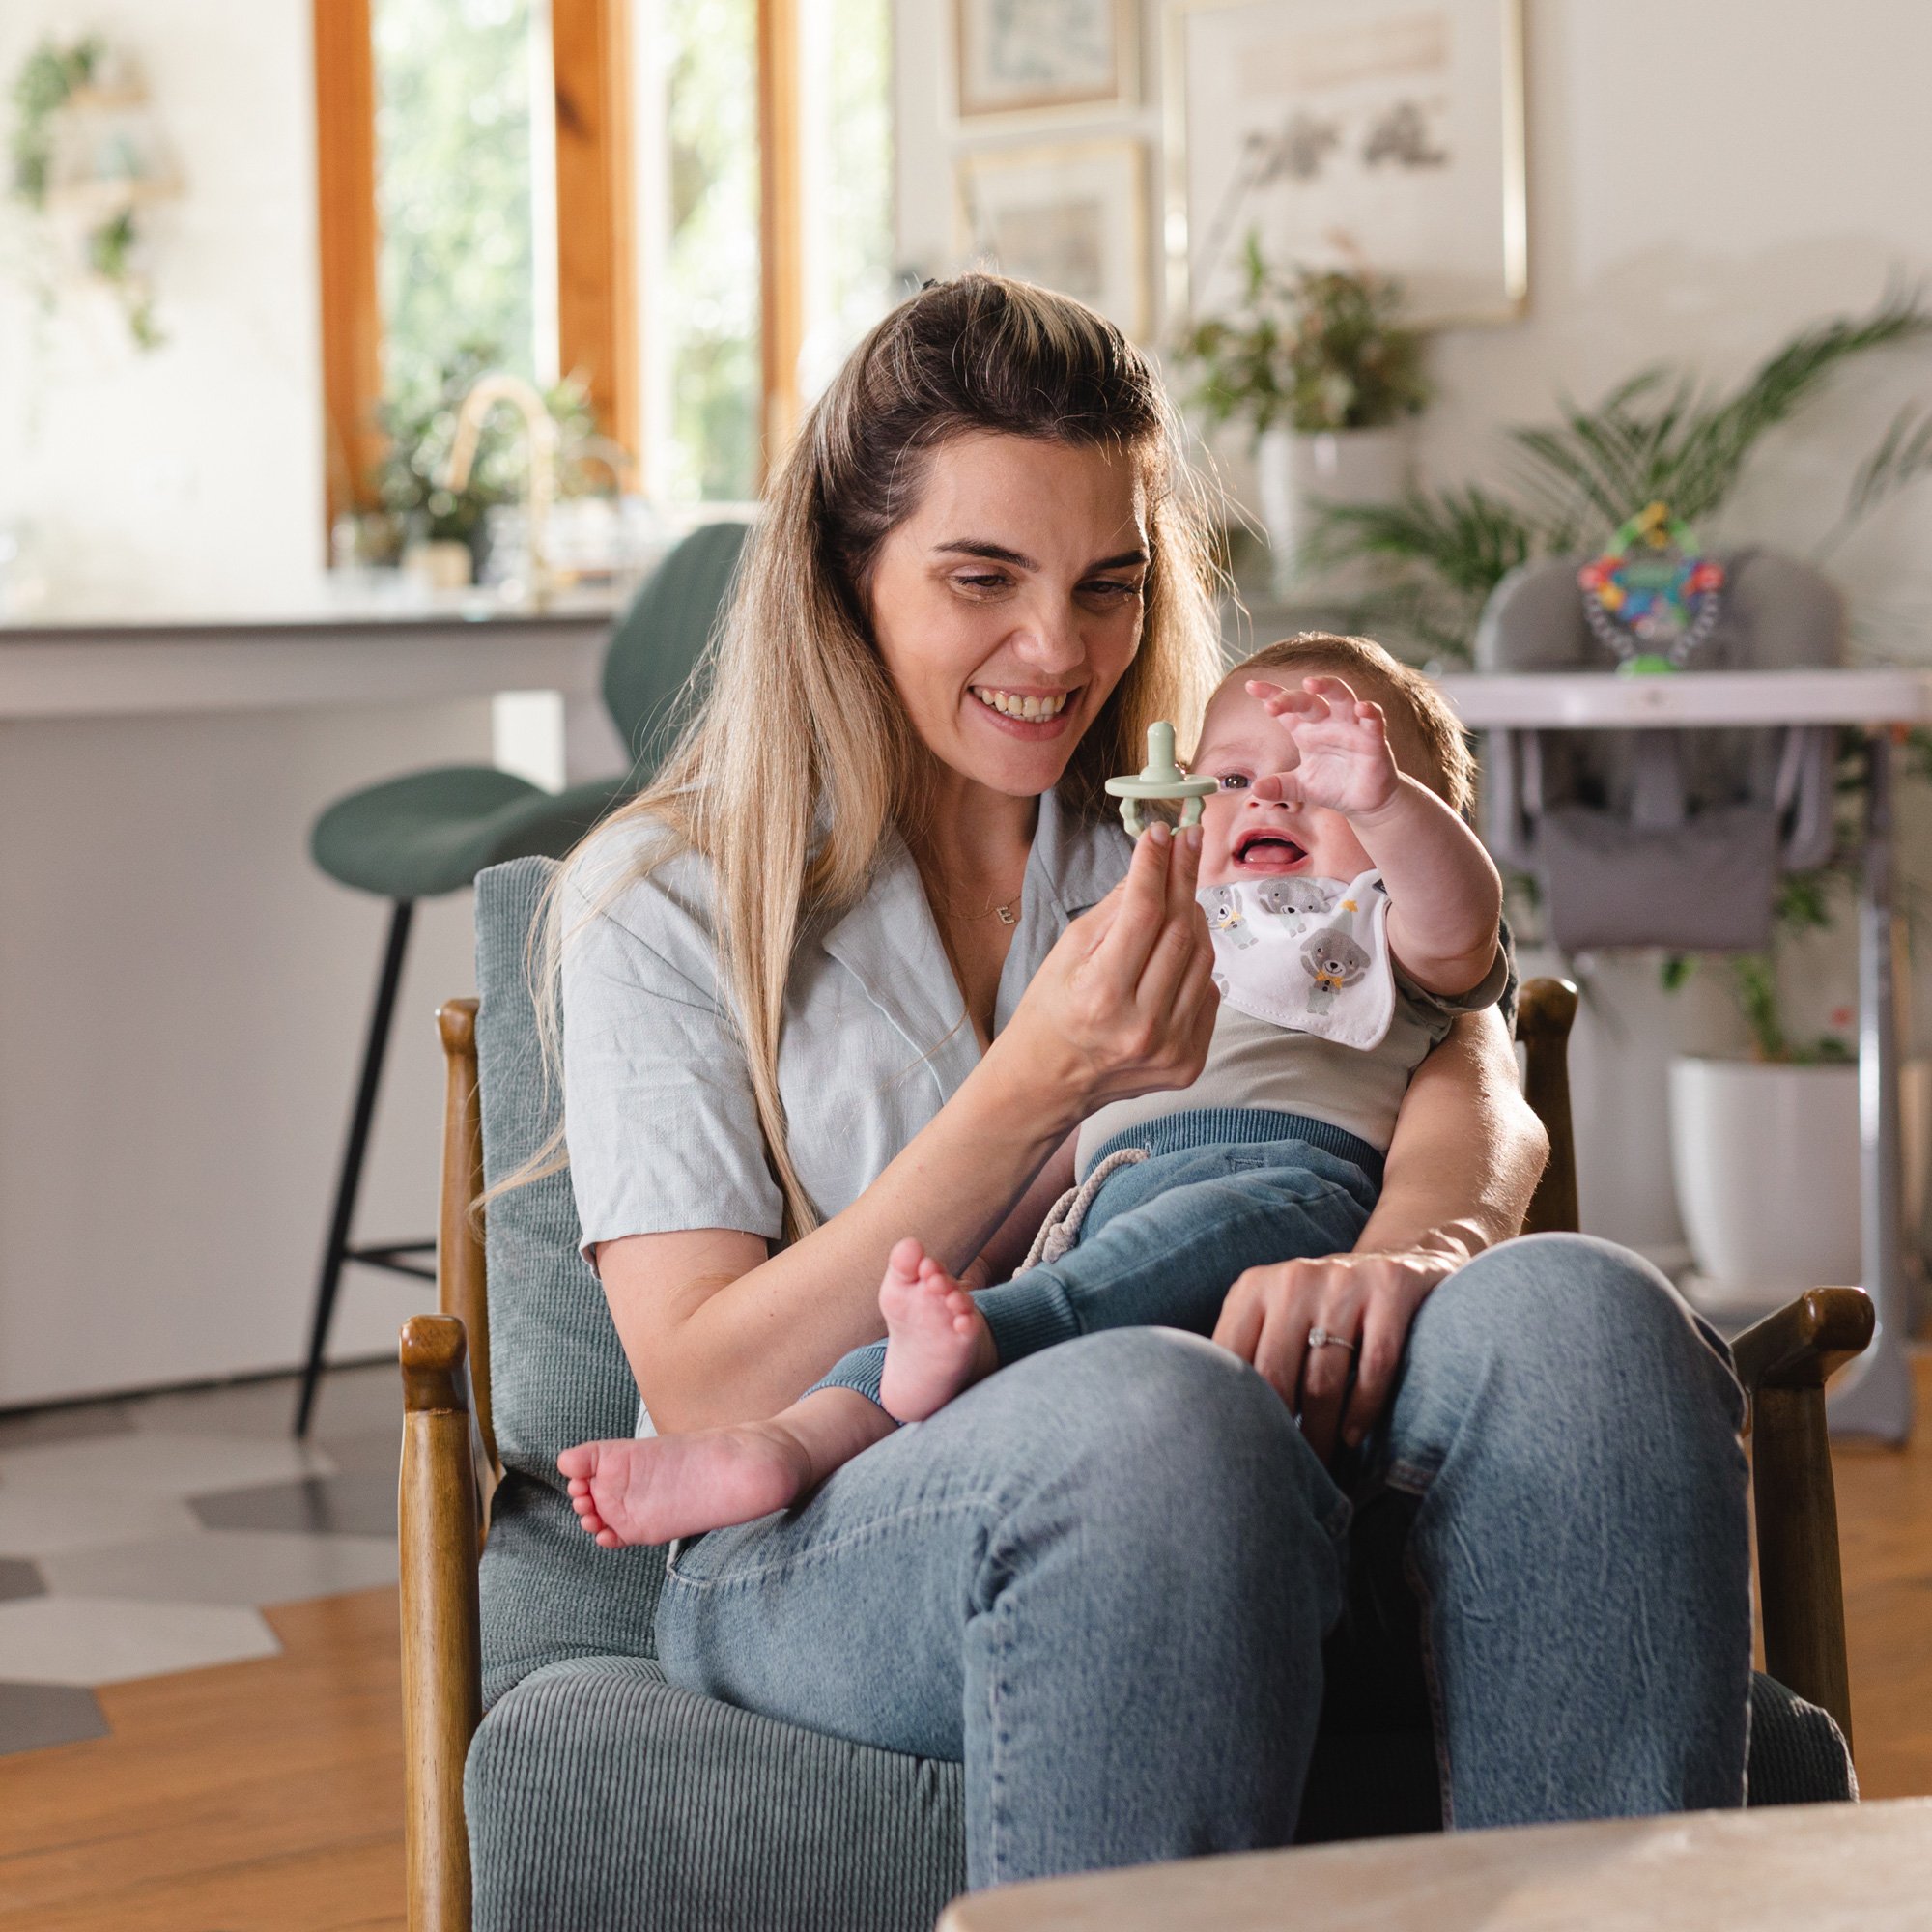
<point>1306,954</point>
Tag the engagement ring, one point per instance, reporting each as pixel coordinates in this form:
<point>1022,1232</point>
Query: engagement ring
<point>1319,1338</point>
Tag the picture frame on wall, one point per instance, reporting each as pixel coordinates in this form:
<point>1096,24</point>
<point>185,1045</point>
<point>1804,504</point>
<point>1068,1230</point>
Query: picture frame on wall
<point>1379,134</point>
<point>1071,216</point>
<point>1046,57</point>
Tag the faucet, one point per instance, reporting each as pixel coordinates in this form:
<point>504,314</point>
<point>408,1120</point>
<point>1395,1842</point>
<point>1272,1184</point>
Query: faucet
<point>540,430</point>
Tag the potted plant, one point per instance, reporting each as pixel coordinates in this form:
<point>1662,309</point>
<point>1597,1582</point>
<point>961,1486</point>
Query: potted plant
<point>1764,1146</point>
<point>1437,552</point>
<point>1318,365</point>
<point>445,532</point>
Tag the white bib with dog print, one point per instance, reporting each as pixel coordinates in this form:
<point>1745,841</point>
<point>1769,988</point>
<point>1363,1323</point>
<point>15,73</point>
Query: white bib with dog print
<point>1307,953</point>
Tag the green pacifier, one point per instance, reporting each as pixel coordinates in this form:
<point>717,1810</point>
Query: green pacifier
<point>1160,778</point>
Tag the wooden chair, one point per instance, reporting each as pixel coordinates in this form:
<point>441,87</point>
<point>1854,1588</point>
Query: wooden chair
<point>449,1466</point>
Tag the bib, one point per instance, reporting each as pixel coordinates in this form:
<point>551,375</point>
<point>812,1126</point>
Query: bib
<point>1306,954</point>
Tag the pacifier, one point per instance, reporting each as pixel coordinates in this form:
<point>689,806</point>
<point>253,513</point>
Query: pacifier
<point>1159,778</point>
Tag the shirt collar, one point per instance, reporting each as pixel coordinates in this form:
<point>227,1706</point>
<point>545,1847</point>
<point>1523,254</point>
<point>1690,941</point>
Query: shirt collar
<point>890,943</point>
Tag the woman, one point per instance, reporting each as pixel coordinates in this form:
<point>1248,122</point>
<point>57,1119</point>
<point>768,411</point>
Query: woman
<point>852,969</point>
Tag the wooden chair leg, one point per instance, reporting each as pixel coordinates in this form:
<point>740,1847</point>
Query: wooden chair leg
<point>442,1670</point>
<point>1784,1362</point>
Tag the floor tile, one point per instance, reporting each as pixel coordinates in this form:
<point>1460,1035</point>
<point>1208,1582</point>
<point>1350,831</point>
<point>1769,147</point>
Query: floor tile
<point>20,1579</point>
<point>172,1465</point>
<point>349,1505</point>
<point>101,1641</point>
<point>34,1715</point>
<point>41,1521</point>
<point>227,1567</point>
<point>76,1422</point>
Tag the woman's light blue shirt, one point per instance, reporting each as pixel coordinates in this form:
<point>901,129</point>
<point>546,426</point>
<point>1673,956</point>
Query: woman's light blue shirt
<point>658,1116</point>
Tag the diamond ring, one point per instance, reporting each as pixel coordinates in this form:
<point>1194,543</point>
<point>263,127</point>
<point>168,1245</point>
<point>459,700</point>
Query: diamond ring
<point>1319,1338</point>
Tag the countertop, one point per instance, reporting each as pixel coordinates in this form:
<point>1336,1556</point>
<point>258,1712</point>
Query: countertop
<point>359,605</point>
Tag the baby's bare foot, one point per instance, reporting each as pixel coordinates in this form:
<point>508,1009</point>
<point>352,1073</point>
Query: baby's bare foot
<point>936,1339</point>
<point>657,1487</point>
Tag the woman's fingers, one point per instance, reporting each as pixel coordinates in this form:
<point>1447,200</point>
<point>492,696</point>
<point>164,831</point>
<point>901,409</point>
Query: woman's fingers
<point>1122,954</point>
<point>1184,934</point>
<point>1400,1287</point>
<point>1281,1347</point>
<point>1324,1377</point>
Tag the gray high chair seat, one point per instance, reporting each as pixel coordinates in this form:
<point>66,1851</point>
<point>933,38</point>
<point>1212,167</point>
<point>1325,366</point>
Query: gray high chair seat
<point>1667,837</point>
<point>597,1795</point>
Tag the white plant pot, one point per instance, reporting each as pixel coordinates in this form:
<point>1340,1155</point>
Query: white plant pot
<point>1296,470</point>
<point>1765,1162</point>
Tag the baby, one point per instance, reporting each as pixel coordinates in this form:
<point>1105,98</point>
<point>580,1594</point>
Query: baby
<point>1354,915</point>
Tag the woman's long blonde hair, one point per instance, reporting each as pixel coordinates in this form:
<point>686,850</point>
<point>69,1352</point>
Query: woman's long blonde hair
<point>801,760</point>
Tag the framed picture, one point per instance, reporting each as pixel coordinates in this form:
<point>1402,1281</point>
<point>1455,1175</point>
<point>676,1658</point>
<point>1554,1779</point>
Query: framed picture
<point>1045,56</point>
<point>1071,217</point>
<point>1386,133</point>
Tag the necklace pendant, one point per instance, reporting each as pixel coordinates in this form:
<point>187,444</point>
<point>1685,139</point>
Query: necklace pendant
<point>1007,915</point>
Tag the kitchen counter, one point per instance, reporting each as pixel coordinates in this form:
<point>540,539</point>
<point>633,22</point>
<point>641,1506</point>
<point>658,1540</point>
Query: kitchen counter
<point>182,993</point>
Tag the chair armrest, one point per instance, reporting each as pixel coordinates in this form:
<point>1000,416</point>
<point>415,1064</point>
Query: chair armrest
<point>1806,1342</point>
<point>1784,1362</point>
<point>439,1520</point>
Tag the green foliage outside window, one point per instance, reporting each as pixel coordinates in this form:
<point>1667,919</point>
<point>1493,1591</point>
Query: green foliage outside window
<point>453,190</point>
<point>712,306</point>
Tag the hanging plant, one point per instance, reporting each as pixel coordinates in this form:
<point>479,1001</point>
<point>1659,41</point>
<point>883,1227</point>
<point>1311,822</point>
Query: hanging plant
<point>48,83</point>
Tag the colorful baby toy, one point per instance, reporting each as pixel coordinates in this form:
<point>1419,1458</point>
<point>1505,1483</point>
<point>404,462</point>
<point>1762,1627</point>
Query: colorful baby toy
<point>1159,778</point>
<point>1652,597</point>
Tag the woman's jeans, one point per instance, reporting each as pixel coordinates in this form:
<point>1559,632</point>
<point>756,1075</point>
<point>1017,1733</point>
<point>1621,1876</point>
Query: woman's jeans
<point>1103,1576</point>
<point>1222,1189</point>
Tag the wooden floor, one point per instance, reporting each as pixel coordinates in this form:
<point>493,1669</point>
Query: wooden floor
<point>263,1797</point>
<point>267,1797</point>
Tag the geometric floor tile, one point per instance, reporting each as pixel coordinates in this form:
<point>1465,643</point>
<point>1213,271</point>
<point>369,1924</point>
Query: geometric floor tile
<point>95,1640</point>
<point>19,1578</point>
<point>40,1521</point>
<point>34,1715</point>
<point>226,1566</point>
<point>172,1465</point>
<point>363,1504</point>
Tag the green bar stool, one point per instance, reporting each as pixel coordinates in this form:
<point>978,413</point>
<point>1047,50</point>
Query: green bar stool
<point>431,833</point>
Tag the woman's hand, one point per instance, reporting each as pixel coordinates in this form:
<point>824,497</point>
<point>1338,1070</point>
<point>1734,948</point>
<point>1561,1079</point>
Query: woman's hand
<point>1365,1300</point>
<point>1125,1003</point>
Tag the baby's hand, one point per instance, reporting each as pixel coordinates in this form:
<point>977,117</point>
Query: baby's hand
<point>1338,748</point>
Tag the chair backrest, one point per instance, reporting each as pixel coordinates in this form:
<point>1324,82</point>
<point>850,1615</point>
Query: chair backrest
<point>556,1373</point>
<point>647,684</point>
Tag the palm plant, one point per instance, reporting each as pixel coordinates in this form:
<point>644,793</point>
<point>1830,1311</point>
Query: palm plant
<point>1658,435</point>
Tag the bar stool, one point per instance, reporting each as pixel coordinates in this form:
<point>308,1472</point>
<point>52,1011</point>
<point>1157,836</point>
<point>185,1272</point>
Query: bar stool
<point>431,833</point>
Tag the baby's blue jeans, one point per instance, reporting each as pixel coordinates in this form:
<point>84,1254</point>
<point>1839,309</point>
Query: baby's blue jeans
<point>1102,1578</point>
<point>1223,1189</point>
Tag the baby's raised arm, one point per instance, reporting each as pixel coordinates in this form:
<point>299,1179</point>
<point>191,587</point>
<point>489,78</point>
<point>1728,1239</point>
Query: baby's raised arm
<point>1445,895</point>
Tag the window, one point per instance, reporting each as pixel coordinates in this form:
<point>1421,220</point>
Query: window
<point>459,209</point>
<point>701,249</point>
<point>457,206</point>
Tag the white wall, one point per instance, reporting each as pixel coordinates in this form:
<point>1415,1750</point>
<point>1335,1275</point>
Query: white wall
<point>193,473</point>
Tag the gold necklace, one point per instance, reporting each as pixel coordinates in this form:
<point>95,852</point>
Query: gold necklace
<point>1007,914</point>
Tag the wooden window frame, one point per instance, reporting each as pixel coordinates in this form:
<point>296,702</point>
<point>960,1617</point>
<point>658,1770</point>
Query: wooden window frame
<point>596,228</point>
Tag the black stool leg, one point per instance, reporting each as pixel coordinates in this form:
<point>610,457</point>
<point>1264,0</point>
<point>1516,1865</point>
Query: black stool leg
<point>337,1248</point>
